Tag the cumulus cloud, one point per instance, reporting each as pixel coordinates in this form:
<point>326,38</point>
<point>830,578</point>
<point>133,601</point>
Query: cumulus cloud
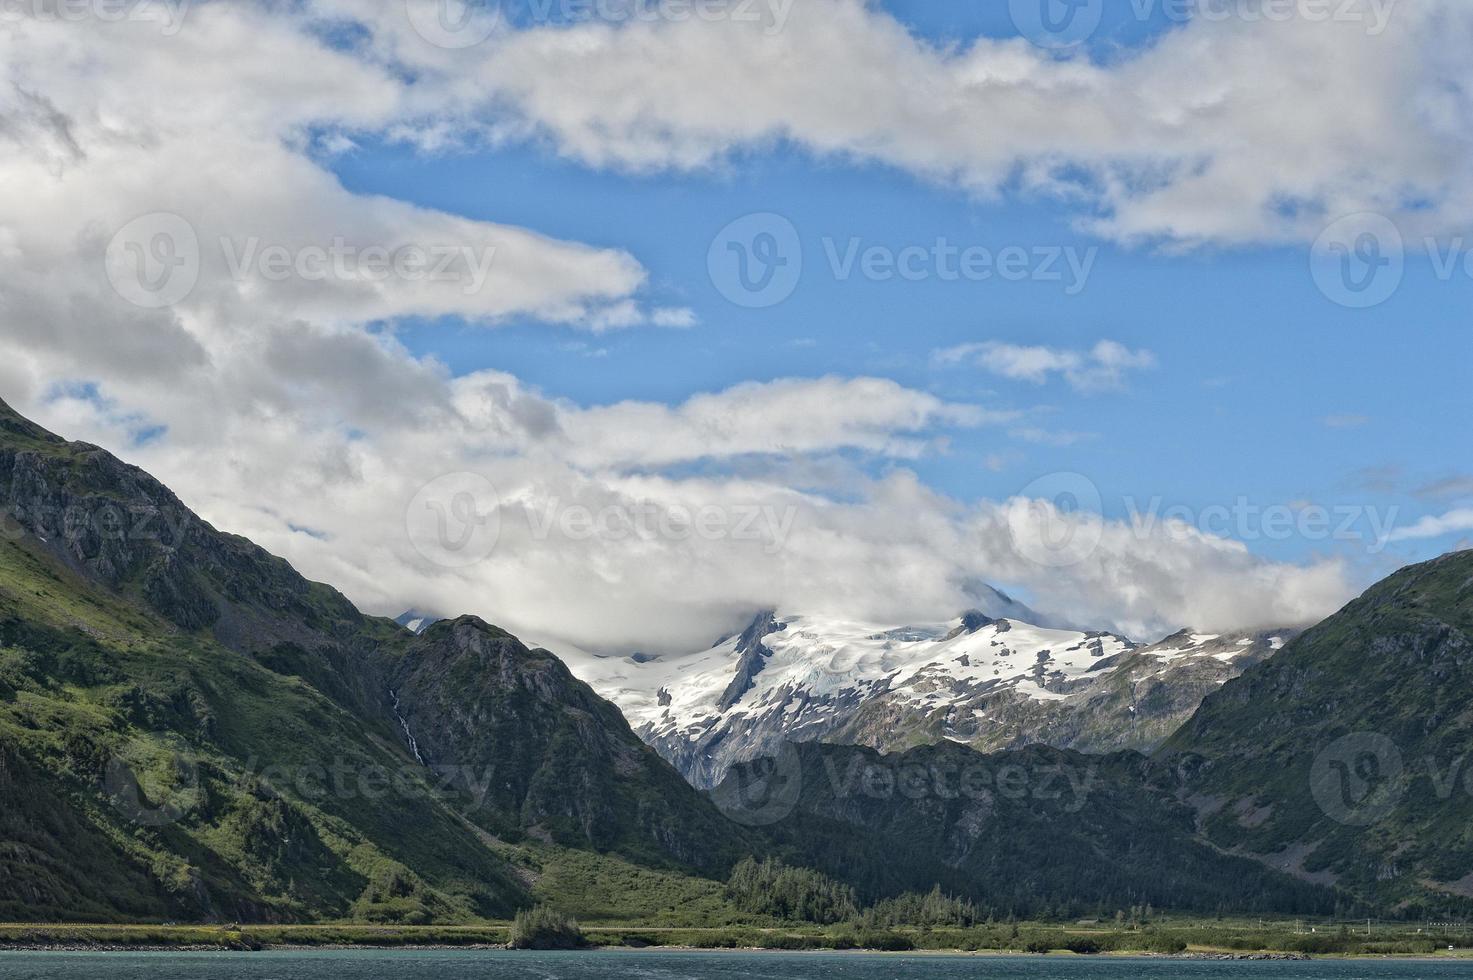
<point>188,159</point>
<point>1223,129</point>
<point>1101,368</point>
<point>280,404</point>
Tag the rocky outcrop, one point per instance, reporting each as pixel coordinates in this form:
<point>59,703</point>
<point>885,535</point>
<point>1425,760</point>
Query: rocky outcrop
<point>752,657</point>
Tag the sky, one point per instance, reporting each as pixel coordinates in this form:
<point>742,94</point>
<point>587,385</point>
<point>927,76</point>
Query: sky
<point>614,324</point>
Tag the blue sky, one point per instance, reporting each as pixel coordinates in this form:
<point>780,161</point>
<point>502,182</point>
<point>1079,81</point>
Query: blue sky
<point>1264,389</point>
<point>1193,206</point>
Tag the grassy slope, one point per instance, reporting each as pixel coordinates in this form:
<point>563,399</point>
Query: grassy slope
<point>86,679</point>
<point>218,676</point>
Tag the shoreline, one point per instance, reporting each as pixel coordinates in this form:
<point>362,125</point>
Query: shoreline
<point>1189,956</point>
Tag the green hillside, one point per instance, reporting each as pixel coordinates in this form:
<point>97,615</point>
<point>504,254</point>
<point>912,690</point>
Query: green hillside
<point>1344,757</point>
<point>190,730</point>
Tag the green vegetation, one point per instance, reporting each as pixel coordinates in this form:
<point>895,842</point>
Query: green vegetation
<point>771,888</point>
<point>1378,694</point>
<point>1163,937</point>
<point>545,928</point>
<point>602,889</point>
<point>191,732</point>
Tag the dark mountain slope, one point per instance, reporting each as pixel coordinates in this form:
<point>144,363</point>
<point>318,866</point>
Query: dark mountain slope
<point>1345,756</point>
<point>187,781</point>
<point>1026,832</point>
<point>548,756</point>
<point>265,719</point>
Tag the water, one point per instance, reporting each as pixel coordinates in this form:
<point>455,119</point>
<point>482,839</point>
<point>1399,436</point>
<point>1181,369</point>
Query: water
<point>500,965</point>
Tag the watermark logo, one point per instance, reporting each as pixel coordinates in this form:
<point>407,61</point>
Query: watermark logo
<point>153,261</point>
<point>1056,24</point>
<point>647,520</point>
<point>454,24</point>
<point>1061,525</point>
<point>1243,520</point>
<point>83,525</point>
<point>764,791</point>
<point>979,781</point>
<point>468,266</point>
<point>454,521</point>
<point>756,261</point>
<point>1064,24</point>
<point>1356,780</point>
<point>458,24</point>
<point>169,14</point>
<point>947,261</point>
<point>169,788</point>
<point>1358,261</point>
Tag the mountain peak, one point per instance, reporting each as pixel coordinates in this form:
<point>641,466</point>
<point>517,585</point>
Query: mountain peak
<point>415,621</point>
<point>13,423</point>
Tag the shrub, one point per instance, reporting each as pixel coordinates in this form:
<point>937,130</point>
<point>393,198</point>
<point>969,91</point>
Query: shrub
<point>886,942</point>
<point>545,928</point>
<point>1165,944</point>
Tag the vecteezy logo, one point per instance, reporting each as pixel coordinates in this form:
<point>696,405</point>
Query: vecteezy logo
<point>170,790</point>
<point>153,260</point>
<point>756,260</point>
<point>1356,780</point>
<point>1359,260</point>
<point>1057,23</point>
<point>454,24</point>
<point>455,520</point>
<point>1055,521</point>
<point>764,791</point>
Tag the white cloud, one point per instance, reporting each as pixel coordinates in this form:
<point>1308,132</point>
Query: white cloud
<point>1225,129</point>
<point>108,123</point>
<point>1453,522</point>
<point>787,417</point>
<point>289,405</point>
<point>1101,368</point>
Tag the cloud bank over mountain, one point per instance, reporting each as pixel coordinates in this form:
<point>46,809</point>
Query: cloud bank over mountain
<point>274,393</point>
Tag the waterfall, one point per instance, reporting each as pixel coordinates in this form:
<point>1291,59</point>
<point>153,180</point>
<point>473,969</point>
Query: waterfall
<point>413,745</point>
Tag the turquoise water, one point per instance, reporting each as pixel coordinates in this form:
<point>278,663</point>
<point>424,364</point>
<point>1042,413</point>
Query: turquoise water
<point>454,965</point>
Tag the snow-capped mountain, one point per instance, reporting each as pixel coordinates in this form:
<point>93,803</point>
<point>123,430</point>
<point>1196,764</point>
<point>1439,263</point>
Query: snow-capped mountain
<point>417,622</point>
<point>985,681</point>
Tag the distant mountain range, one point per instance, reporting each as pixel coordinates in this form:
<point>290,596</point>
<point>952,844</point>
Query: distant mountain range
<point>191,730</point>
<point>980,680</point>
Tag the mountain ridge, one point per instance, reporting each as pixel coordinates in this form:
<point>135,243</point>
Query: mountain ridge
<point>985,680</point>
<point>272,739</point>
